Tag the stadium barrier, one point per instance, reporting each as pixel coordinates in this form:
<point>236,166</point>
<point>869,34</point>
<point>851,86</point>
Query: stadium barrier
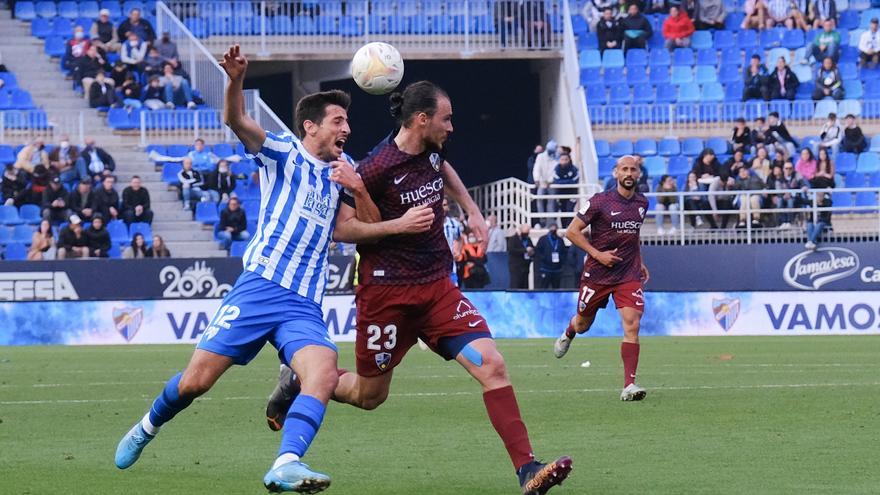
<point>25,125</point>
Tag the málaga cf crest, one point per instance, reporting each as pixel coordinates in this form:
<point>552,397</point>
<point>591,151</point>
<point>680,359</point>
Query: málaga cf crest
<point>726,312</point>
<point>128,321</point>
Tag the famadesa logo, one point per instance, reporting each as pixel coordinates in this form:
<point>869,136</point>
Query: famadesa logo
<point>811,270</point>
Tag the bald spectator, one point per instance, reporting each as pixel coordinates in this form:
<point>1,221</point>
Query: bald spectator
<point>103,34</point>
<point>520,251</point>
<point>190,183</point>
<point>138,25</point>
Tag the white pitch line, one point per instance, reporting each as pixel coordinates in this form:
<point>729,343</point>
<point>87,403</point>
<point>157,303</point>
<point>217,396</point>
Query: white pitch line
<point>476,392</point>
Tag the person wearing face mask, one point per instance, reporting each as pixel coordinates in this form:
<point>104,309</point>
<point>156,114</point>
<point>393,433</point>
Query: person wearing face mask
<point>76,49</point>
<point>94,162</point>
<point>550,255</point>
<point>133,52</point>
<point>63,159</point>
<point>167,48</point>
<point>138,25</point>
<point>545,164</point>
<point>220,183</point>
<point>566,174</point>
<point>103,34</point>
<point>472,264</point>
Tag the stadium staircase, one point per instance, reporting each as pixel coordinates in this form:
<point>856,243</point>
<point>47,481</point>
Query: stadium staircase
<point>24,55</point>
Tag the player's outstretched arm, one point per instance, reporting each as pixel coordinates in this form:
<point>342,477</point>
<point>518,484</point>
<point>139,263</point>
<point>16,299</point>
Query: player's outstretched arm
<point>349,229</point>
<point>575,234</point>
<point>454,187</point>
<point>234,115</point>
<point>345,175</point>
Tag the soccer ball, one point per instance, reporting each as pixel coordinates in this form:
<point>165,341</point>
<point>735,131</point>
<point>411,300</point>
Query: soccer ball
<point>377,68</point>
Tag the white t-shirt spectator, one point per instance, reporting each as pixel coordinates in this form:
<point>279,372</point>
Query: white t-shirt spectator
<point>869,41</point>
<point>545,169</point>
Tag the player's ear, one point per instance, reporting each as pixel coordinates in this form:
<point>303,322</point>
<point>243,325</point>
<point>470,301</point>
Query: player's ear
<point>310,127</point>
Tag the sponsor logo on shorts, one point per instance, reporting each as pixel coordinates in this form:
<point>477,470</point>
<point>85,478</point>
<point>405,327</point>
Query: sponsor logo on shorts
<point>473,324</point>
<point>383,359</point>
<point>726,312</point>
<point>464,309</point>
<point>640,297</point>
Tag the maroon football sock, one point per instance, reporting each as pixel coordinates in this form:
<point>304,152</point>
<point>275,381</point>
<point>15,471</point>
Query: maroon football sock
<point>570,332</point>
<point>629,352</point>
<point>504,415</point>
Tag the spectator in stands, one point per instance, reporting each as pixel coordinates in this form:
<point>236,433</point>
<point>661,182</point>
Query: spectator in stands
<point>55,200</point>
<point>853,139</point>
<point>814,230</point>
<point>608,31</point>
<point>831,133</point>
<point>825,171</point>
<point>497,240</point>
<point>708,172</point>
<point>141,27</point>
<point>666,204</point>
<point>806,165</point>
<point>742,135</point>
<point>745,181</point>
<point>107,199</point>
<point>530,163</point>
<point>778,135</point>
<point>566,174</point>
<point>72,241</point>
<point>88,69</point>
<point>801,15</point>
<point>759,134</point>
<point>869,45</point>
<point>176,88</point>
<point>190,183</point>
<point>94,162</point>
<point>99,238</point>
<point>63,159</point>
<point>549,255</point>
<point>594,11</point>
<point>154,96</point>
<point>133,53</point>
<point>137,249</point>
<point>519,258</point>
<point>823,11</point>
<point>472,264</point>
<point>755,14</point>
<point>153,63</point>
<point>508,21</point>
<point>13,184</point>
<point>778,12</point>
<point>167,48</point>
<point>782,83</point>
<point>677,29</point>
<point>735,162</point>
<point>233,224</point>
<point>103,33</point>
<point>220,183</point>
<point>42,243</point>
<point>101,93</point>
<point>130,92</point>
<point>136,203</point>
<point>119,73</point>
<point>695,202</point>
<point>75,49</point>
<point>158,249</point>
<point>755,79</point>
<point>33,193</point>
<point>82,200</point>
<point>203,160</point>
<point>709,14</point>
<point>827,43</point>
<point>760,164</point>
<point>536,23</point>
<point>636,28</point>
<point>790,180</point>
<point>828,82</point>
<point>544,172</point>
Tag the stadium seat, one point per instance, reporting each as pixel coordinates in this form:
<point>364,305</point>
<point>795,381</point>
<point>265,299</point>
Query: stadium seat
<point>855,180</point>
<point>793,39</point>
<point>656,165</point>
<point>118,232</point>
<point>7,155</point>
<point>849,19</point>
<point>22,234</point>
<point>724,39</point>
<point>691,146</point>
<point>734,18</point>
<point>15,251</point>
<point>874,179</point>
<point>89,9</point>
<point>701,40</point>
<point>643,94</point>
<point>645,147</point>
<point>237,248</point>
<point>875,144</point>
<point>707,57</point>
<point>733,91</point>
<point>681,75</point>
<point>823,108</point>
<point>636,57</point>
<point>679,165</point>
<point>719,145</point>
<point>178,150</point>
<point>659,58</point>
<point>613,76</point>
<point>223,150</point>
<point>774,55</point>
<point>772,38</point>
<point>747,40</point>
<point>803,73</point>
<point>21,99</point>
<point>636,75</point>
<point>866,200</point>
<point>9,215</point>
<point>841,199</point>
<point>119,119</point>
<point>115,252</point>
<point>869,163</point>
<point>866,17</point>
<point>25,11</point>
<point>620,94</point>
<point>590,76</point>
<point>852,88</point>
<point>688,92</point>
<point>667,93</point>
<point>141,228</point>
<point>590,59</point>
<point>596,93</point>
<point>30,214</point>
<point>606,165</point>
<point>728,74</point>
<point>705,74</point>
<point>659,75</point>
<point>68,9</point>
<point>54,46</point>
<point>206,212</point>
<point>603,149</point>
<point>620,148</point>
<point>668,147</point>
<point>41,28</point>
<point>683,56</point>
<point>845,163</point>
<point>612,59</point>
<point>46,9</point>
<point>850,106</point>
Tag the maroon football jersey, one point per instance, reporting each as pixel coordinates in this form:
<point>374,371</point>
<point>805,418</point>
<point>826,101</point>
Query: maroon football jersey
<point>398,181</point>
<point>614,224</point>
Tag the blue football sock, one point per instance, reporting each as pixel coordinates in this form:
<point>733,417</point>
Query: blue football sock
<point>302,423</point>
<point>168,403</point>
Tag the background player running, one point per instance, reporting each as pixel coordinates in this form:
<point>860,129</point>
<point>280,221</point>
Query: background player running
<point>405,292</point>
<point>614,266</point>
<point>278,296</point>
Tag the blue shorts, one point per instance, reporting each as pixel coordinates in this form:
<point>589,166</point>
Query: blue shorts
<point>257,311</point>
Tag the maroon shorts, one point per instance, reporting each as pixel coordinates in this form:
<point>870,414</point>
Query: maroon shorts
<point>391,319</point>
<point>592,298</point>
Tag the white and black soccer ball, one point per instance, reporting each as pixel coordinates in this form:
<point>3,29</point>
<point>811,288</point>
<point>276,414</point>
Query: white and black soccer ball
<point>377,68</point>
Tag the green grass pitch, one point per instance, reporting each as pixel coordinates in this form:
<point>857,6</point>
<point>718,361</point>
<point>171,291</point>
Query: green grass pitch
<point>788,415</point>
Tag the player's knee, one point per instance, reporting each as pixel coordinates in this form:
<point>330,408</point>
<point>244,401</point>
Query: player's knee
<point>581,323</point>
<point>320,383</point>
<point>194,384</point>
<point>493,369</point>
<point>373,400</point>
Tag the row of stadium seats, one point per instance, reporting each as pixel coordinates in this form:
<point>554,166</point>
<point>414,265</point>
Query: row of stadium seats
<point>63,27</point>
<point>28,11</point>
<point>122,119</point>
<point>694,146</point>
<point>670,111</point>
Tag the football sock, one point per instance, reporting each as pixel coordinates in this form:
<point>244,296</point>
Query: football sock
<point>168,403</point>
<point>629,352</point>
<point>570,331</point>
<point>302,423</point>
<point>504,415</point>
<point>284,459</point>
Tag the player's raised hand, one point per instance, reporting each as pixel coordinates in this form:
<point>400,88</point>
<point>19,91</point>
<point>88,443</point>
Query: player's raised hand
<point>416,220</point>
<point>480,228</point>
<point>646,275</point>
<point>234,63</point>
<point>608,258</point>
<point>343,174</point>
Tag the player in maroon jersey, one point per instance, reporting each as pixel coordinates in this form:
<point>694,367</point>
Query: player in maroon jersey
<point>405,292</point>
<point>614,266</point>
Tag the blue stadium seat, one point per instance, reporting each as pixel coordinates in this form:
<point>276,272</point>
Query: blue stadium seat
<point>21,99</point>
<point>88,9</point>
<point>866,17</point>
<point>620,148</point>
<point>850,106</point>
<point>603,149</point>
<point>793,39</point>
<point>178,150</point>
<point>68,9</point>
<point>724,39</point>
<point>9,80</point>
<point>747,40</point>
<point>656,165</point>
<point>636,57</point>
<point>852,88</point>
<point>15,251</point>
<point>645,147</point>
<point>612,58</point>
<point>803,73</point>
<point>712,92</point>
<point>659,58</point>
<point>237,248</point>
<point>733,20</point>
<point>701,40</point>
<point>606,165</point>
<point>874,179</point>
<point>141,228</point>
<point>691,146</point>
<point>635,75</point>
<point>23,234</point>
<point>872,90</point>
<point>774,55</point>
<point>866,199</point>
<point>206,212</point>
<point>733,91</point>
<point>659,75</point>
<point>252,209</point>
<point>30,214</point>
<point>823,108</point>
<point>223,150</point>
<point>805,90</point>
<point>772,38</point>
<point>620,94</point>
<point>681,75</point>
<point>667,93</point>
<point>705,74</point>
<point>849,19</point>
<point>643,93</point>
<point>689,92</point>
<point>845,163</point>
<point>855,180</point>
<point>679,165</point>
<point>707,56</point>
<point>7,155</point>
<point>868,163</point>
<point>169,173</point>
<point>613,76</point>
<point>25,11</point>
<point>119,119</point>
<point>668,147</point>
<point>719,145</point>
<point>114,7</point>
<point>54,46</point>
<point>849,54</point>
<point>590,59</point>
<point>728,74</point>
<point>9,215</point>
<point>683,56</point>
<point>41,28</point>
<point>841,199</point>
<point>595,93</point>
<point>118,232</point>
<point>591,76</point>
<point>46,9</point>
<point>875,144</point>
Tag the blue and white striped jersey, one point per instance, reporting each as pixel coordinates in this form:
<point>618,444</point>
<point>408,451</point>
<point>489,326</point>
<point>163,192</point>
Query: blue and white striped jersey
<point>298,204</point>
